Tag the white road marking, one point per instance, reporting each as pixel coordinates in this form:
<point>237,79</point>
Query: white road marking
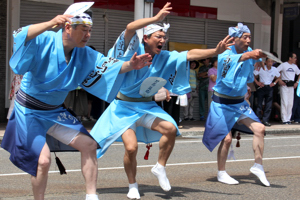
<point>173,164</point>
<point>294,145</point>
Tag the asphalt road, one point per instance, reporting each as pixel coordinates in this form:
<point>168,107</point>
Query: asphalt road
<point>191,170</point>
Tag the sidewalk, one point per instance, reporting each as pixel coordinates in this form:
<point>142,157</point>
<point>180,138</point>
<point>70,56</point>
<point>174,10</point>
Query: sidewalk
<point>196,128</point>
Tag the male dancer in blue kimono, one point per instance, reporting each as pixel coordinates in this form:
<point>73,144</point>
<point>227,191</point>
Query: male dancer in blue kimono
<point>54,64</point>
<point>235,69</point>
<point>134,118</point>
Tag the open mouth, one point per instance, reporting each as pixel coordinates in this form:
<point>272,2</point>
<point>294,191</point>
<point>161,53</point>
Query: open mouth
<point>159,46</point>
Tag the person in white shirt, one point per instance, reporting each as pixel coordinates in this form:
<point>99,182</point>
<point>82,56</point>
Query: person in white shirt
<point>265,89</point>
<point>288,71</point>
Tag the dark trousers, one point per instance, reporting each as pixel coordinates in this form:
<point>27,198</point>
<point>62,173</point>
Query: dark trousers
<point>171,108</point>
<point>264,93</point>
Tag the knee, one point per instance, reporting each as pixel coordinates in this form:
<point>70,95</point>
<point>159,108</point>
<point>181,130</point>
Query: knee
<point>44,162</point>
<point>227,141</point>
<point>92,145</point>
<point>260,130</point>
<point>88,146</point>
<point>169,130</point>
<point>131,149</point>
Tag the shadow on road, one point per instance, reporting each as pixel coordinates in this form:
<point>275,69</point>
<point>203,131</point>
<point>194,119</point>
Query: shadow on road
<point>247,179</point>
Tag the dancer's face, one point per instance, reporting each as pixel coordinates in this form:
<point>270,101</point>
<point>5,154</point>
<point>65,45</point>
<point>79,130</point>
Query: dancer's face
<point>243,42</point>
<point>80,34</point>
<point>154,43</point>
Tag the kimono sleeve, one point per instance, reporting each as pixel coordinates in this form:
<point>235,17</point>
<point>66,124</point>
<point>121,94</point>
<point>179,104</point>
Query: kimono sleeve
<point>118,50</point>
<point>24,51</point>
<point>104,81</point>
<point>180,80</point>
<point>251,64</point>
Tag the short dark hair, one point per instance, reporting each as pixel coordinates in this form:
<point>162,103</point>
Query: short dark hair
<point>212,60</point>
<point>274,53</point>
<point>89,12</point>
<point>196,62</point>
<point>291,54</point>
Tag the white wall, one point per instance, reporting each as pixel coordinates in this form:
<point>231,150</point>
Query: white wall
<point>243,11</point>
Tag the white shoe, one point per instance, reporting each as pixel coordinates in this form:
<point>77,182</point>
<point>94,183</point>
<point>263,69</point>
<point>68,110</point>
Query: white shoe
<point>258,170</point>
<point>133,191</point>
<point>223,177</point>
<point>160,172</point>
<point>91,197</point>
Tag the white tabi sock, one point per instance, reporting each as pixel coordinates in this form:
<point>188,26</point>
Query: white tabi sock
<point>160,172</point>
<point>133,191</point>
<point>91,197</point>
<point>223,177</point>
<point>258,170</point>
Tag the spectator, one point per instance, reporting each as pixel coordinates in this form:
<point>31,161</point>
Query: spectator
<point>276,95</point>
<point>203,86</point>
<point>172,108</point>
<point>212,75</point>
<point>77,101</point>
<point>265,90</point>
<point>288,71</point>
<point>188,110</point>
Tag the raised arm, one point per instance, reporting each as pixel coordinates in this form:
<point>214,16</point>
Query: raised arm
<point>36,29</point>
<point>141,23</point>
<point>198,54</point>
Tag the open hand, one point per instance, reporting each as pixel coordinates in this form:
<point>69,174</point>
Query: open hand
<point>224,44</point>
<point>257,54</point>
<point>163,12</point>
<point>60,20</point>
<point>138,62</point>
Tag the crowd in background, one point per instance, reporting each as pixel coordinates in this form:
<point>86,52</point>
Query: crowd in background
<point>272,95</point>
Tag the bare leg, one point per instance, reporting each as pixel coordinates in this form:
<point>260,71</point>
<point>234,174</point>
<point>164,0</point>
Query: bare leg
<point>131,148</point>
<point>166,144</point>
<point>258,130</point>
<point>130,163</point>
<point>39,182</point>
<point>167,140</point>
<point>258,147</point>
<point>222,157</point>
<point>223,151</point>
<point>89,165</point>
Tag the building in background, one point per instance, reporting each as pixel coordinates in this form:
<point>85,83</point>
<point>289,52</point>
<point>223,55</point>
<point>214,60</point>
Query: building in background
<point>200,22</point>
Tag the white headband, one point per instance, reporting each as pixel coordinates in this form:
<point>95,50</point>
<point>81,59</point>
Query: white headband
<point>154,27</point>
<point>82,18</point>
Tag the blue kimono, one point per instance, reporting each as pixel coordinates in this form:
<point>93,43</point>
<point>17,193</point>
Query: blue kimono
<point>232,78</point>
<point>120,115</point>
<point>47,80</point>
